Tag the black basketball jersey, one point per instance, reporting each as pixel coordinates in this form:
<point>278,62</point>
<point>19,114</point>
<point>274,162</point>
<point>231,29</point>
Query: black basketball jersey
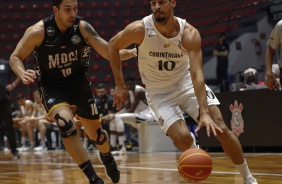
<point>62,57</point>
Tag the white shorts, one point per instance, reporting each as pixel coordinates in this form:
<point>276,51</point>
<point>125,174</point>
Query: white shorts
<point>168,104</point>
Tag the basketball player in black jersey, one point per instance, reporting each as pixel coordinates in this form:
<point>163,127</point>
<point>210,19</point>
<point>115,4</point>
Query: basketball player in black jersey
<point>61,45</point>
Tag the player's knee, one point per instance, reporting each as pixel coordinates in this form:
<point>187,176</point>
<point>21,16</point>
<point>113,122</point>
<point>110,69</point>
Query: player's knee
<point>182,140</point>
<point>67,128</point>
<point>225,135</point>
<point>101,138</point>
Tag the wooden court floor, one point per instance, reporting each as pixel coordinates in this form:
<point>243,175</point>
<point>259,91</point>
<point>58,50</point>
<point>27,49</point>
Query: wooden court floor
<point>56,167</point>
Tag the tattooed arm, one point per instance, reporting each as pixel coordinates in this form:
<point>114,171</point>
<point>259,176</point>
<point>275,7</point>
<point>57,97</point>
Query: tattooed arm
<point>99,44</point>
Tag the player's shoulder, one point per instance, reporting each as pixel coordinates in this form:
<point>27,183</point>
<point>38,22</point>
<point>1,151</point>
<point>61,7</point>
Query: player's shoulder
<point>36,29</point>
<point>137,25</point>
<point>279,24</point>
<point>189,27</point>
<point>191,37</point>
<point>83,24</point>
<point>190,30</point>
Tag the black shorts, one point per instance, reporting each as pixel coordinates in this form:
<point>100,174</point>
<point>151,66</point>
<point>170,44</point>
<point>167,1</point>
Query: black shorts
<point>80,97</point>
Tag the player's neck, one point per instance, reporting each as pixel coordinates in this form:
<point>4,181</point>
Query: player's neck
<point>168,29</point>
<point>61,27</point>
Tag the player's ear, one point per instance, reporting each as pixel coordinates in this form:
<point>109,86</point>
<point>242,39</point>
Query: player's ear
<point>55,9</point>
<point>173,3</point>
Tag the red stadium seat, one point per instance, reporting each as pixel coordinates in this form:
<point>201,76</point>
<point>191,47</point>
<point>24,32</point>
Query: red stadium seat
<point>16,37</point>
<point>125,65</point>
<point>94,4</point>
<point>127,13</point>
<point>108,66</point>
<point>105,4</point>
<point>131,4</point>
<point>112,23</point>
<point>3,37</point>
<point>97,24</point>
<point>93,79</point>
<point>113,14</point>
<point>117,4</point>
<point>108,78</point>
<point>94,67</point>
<point>104,34</point>
<point>97,56</point>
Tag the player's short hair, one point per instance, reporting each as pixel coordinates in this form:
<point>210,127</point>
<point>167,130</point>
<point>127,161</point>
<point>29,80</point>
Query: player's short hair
<point>36,92</point>
<point>20,96</point>
<point>57,3</point>
<point>100,86</point>
<point>129,79</point>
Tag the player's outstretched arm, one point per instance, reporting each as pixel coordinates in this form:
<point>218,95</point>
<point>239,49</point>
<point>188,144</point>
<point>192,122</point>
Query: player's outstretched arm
<point>192,42</point>
<point>132,34</point>
<point>99,44</point>
<point>32,38</point>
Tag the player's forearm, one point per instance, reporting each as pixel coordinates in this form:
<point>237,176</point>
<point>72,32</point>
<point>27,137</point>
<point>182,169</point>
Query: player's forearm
<point>200,91</point>
<point>202,99</point>
<point>268,61</point>
<point>126,54</point>
<point>118,76</point>
<point>17,66</point>
<point>116,65</point>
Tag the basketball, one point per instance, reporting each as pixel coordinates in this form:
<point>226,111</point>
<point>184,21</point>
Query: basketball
<point>194,165</point>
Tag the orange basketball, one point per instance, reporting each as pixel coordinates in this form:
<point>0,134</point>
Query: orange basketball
<point>194,165</point>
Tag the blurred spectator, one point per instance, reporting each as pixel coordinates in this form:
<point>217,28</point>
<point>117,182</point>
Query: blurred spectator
<point>25,112</point>
<point>276,74</point>
<point>136,113</point>
<point>112,91</point>
<point>38,121</point>
<point>104,103</point>
<point>221,51</point>
<point>250,77</point>
<point>251,80</point>
<point>6,106</point>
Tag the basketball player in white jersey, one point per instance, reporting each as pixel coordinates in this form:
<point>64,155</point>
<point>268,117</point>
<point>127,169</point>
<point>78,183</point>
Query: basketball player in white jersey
<point>170,65</point>
<point>137,112</point>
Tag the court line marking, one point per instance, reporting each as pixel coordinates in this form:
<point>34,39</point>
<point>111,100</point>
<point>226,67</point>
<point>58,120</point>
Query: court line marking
<point>124,167</point>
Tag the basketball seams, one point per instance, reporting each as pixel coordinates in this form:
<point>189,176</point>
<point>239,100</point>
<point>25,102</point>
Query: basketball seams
<point>192,179</point>
<point>193,154</point>
<point>196,166</point>
<point>195,177</point>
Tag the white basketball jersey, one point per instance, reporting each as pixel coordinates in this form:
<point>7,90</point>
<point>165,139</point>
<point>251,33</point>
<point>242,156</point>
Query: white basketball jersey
<point>162,59</point>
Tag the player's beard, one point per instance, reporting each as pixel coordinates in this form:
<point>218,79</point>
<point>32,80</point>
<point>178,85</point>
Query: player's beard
<point>160,19</point>
<point>158,16</point>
